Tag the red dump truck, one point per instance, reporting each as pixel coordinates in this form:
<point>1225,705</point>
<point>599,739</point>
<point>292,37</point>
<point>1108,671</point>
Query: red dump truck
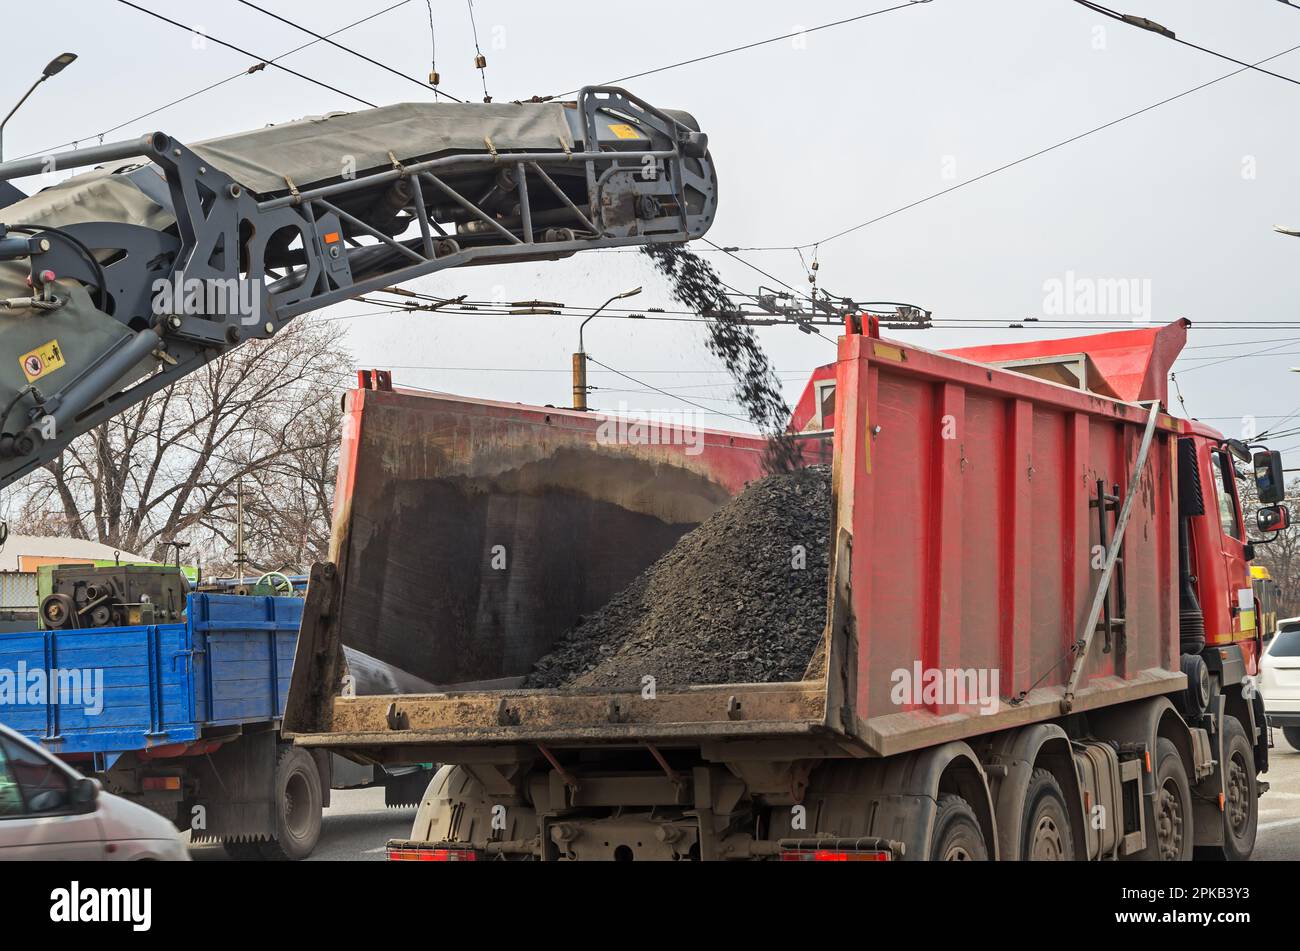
<point>1039,636</point>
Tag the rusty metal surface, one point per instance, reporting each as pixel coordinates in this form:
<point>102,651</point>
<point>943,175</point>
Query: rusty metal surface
<point>523,714</point>
<point>435,494</point>
<point>317,662</point>
<point>916,729</point>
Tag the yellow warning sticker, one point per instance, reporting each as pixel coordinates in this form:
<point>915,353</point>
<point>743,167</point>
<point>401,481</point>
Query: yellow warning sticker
<point>44,359</point>
<point>624,131</point>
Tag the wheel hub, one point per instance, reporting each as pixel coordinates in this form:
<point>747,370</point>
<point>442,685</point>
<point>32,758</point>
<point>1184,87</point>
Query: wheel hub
<point>1047,843</point>
<point>1238,793</point>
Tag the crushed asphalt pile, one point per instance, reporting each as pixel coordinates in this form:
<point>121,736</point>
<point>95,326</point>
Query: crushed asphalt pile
<point>727,604</point>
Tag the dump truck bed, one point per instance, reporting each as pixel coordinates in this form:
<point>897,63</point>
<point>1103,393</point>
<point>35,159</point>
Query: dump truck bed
<point>963,541</point>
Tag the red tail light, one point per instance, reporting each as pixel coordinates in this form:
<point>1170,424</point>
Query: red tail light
<point>834,855</point>
<point>431,855</point>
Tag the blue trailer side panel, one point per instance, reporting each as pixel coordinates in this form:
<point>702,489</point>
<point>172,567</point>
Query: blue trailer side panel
<point>242,670</point>
<point>111,690</point>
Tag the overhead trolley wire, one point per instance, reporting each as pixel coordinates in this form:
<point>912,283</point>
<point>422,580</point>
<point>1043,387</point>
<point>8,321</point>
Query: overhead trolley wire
<point>257,67</point>
<point>347,49</point>
<point>749,46</point>
<point>480,61</point>
<point>1150,26</point>
<point>237,49</point>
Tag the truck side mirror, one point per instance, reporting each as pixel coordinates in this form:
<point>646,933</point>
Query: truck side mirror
<point>1270,483</point>
<point>1273,518</point>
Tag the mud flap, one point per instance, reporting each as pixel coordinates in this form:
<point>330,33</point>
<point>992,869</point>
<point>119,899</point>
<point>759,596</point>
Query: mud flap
<point>1207,814</point>
<point>235,798</point>
<point>406,789</point>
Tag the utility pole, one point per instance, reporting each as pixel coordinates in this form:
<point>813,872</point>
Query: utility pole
<point>240,557</point>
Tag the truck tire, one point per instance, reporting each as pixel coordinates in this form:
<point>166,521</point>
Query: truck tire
<point>1292,734</point>
<point>1046,836</point>
<point>297,807</point>
<point>1241,794</point>
<point>1169,832</point>
<point>957,834</point>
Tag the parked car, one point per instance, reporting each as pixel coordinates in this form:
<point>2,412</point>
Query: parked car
<point>1279,680</point>
<point>49,811</point>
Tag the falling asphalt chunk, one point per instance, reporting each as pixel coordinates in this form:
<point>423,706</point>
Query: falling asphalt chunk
<point>740,599</point>
<point>696,285</point>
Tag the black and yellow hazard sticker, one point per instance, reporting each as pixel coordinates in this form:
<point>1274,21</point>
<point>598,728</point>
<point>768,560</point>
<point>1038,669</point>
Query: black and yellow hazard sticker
<point>624,131</point>
<point>44,359</point>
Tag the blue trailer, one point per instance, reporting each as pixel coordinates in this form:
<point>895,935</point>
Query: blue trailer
<point>185,718</point>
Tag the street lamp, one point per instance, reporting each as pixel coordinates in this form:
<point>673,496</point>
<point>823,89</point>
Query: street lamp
<point>52,68</point>
<point>580,358</point>
<point>1290,232</point>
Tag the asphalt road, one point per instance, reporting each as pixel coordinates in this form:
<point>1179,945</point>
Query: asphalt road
<point>357,824</point>
<point>1279,809</point>
<point>354,827</point>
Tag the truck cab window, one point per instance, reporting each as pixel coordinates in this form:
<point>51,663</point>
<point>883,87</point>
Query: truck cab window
<point>1225,490</point>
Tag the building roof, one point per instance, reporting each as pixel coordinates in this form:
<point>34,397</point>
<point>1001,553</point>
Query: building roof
<point>36,549</point>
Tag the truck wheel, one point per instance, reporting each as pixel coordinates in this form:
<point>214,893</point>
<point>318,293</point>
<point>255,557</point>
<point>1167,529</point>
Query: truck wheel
<point>1169,835</point>
<point>1241,794</point>
<point>1046,835</point>
<point>957,835</point>
<point>297,807</point>
<point>1292,734</point>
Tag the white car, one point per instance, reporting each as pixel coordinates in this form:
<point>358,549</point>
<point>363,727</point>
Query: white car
<point>1279,680</point>
<point>50,811</point>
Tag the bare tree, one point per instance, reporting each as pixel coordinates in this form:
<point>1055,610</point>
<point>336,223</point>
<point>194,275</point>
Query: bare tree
<point>266,415</point>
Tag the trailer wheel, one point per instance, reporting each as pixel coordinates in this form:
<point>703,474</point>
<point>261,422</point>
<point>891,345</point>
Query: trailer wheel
<point>297,807</point>
<point>1292,734</point>
<point>1169,837</point>
<point>1241,794</point>
<point>957,835</point>
<point>1046,836</point>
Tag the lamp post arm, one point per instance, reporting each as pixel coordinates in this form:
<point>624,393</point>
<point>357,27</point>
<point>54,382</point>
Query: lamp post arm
<point>31,89</point>
<point>582,326</point>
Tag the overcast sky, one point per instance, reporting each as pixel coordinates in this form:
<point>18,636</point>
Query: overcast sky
<point>810,136</point>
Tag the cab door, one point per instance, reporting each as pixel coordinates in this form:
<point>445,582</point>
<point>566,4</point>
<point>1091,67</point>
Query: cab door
<point>38,818</point>
<point>1232,548</point>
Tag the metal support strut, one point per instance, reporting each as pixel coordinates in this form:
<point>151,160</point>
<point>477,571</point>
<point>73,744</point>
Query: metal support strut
<point>1099,598</point>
